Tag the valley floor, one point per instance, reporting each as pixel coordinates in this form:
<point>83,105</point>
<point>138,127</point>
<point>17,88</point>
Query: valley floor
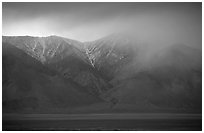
<point>146,121</point>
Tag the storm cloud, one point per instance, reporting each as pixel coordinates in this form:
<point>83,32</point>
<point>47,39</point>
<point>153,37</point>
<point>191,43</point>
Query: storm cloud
<point>159,22</point>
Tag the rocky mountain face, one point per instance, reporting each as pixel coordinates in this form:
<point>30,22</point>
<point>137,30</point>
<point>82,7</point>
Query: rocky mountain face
<point>46,49</point>
<point>110,54</point>
<point>48,72</point>
<point>56,72</point>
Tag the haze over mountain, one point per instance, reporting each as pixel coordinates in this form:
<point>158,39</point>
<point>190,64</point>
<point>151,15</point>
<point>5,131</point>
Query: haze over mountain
<point>112,74</point>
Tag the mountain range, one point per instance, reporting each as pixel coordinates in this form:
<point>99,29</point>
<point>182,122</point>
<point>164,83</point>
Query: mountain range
<point>112,74</point>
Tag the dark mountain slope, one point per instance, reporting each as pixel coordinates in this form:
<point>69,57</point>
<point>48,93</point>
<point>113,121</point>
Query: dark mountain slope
<point>29,85</point>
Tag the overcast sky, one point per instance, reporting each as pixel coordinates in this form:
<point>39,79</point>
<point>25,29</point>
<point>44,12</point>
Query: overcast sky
<point>180,22</point>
